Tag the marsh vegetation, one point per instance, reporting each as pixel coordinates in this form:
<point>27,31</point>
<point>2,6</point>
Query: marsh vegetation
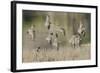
<point>46,36</point>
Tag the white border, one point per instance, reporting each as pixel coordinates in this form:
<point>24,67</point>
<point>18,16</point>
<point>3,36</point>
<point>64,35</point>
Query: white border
<point>21,65</point>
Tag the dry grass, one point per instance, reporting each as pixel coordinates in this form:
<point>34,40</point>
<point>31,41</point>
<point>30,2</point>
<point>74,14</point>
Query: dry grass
<point>62,54</point>
<point>66,52</point>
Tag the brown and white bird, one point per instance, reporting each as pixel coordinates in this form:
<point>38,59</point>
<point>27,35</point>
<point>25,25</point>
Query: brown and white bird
<point>32,32</point>
<point>75,41</point>
<point>81,29</point>
<point>56,42</point>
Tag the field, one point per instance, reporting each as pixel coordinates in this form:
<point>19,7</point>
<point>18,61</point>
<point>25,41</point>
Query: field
<point>54,55</point>
<point>48,53</point>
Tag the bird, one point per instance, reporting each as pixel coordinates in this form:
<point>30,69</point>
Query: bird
<point>32,32</point>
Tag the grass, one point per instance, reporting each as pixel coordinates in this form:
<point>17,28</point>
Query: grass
<point>65,52</point>
<point>82,53</point>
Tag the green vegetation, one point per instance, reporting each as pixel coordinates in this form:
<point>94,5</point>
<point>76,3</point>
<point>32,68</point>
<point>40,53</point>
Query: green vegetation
<point>69,21</point>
